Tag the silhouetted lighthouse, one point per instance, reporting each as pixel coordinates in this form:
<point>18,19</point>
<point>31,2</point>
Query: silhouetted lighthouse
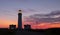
<point>20,20</point>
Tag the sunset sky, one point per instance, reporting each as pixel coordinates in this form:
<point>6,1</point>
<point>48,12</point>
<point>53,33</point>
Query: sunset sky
<point>9,12</point>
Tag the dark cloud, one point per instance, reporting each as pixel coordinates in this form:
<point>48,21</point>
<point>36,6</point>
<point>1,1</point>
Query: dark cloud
<point>54,16</point>
<point>55,13</point>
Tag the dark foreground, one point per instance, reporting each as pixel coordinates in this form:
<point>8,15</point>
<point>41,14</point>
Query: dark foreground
<point>52,31</point>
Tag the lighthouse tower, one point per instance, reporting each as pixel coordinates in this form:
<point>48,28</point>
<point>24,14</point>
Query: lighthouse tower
<point>20,20</point>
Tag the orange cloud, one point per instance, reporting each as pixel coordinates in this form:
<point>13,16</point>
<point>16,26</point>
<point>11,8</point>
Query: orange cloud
<point>46,25</point>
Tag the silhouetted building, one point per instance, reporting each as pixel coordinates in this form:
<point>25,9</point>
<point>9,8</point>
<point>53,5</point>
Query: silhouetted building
<point>27,27</point>
<point>12,27</point>
<point>20,20</point>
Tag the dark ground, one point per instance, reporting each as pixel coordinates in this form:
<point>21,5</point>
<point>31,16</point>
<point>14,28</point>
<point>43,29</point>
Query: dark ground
<point>52,31</point>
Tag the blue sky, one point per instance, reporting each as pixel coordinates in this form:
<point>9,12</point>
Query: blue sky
<point>9,8</point>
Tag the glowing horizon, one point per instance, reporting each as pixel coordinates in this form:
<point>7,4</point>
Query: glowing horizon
<point>33,26</point>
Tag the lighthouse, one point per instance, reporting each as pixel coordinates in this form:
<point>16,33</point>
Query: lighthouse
<point>20,20</point>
